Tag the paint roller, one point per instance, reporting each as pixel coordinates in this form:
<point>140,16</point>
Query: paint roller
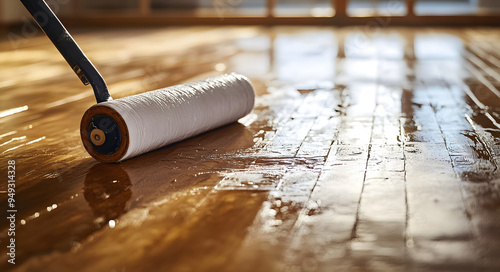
<point>116,130</point>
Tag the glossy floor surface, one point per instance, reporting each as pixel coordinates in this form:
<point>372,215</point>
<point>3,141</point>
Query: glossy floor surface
<point>369,149</point>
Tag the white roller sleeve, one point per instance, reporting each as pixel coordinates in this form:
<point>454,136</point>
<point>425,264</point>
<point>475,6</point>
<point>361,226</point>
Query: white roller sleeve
<point>161,117</point>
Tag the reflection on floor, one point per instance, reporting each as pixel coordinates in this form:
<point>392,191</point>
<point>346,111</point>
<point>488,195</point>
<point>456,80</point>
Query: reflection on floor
<point>368,149</point>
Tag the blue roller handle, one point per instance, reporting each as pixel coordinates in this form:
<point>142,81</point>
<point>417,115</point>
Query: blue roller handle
<point>68,48</point>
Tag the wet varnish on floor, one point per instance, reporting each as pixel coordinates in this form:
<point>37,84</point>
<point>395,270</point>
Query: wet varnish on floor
<point>368,150</point>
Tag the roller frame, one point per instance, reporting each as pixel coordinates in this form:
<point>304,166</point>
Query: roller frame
<point>68,48</point>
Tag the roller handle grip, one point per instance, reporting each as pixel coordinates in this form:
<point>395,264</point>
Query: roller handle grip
<point>68,48</point>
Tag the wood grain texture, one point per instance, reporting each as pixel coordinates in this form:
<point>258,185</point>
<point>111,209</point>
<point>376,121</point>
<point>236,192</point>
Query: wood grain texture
<point>366,151</point>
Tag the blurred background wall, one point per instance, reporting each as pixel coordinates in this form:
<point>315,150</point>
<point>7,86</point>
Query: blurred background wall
<point>83,11</point>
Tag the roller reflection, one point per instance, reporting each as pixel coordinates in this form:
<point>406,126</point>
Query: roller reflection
<point>107,190</point>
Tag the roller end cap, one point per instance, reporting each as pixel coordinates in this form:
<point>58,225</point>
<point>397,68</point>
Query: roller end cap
<point>104,134</point>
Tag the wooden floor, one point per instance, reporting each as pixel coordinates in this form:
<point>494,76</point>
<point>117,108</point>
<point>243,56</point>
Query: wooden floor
<point>368,150</point>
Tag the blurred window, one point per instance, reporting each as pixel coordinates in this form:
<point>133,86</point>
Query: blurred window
<point>304,8</point>
<point>376,7</point>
